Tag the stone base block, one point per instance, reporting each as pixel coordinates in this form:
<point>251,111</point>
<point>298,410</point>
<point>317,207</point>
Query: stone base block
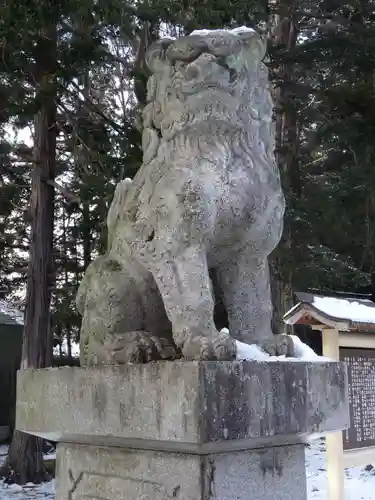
<point>188,407</point>
<point>105,473</point>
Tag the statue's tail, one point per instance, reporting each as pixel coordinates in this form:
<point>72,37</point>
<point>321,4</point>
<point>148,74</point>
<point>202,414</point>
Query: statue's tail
<point>113,213</point>
<point>117,206</point>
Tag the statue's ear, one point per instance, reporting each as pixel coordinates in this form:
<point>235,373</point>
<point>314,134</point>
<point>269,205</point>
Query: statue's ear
<point>253,42</point>
<point>156,59</point>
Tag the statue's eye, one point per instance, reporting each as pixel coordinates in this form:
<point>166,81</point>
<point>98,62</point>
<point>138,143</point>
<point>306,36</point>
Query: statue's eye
<point>192,72</point>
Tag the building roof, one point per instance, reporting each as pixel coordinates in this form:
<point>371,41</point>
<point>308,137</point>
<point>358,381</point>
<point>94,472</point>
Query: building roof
<point>9,315</point>
<point>344,313</point>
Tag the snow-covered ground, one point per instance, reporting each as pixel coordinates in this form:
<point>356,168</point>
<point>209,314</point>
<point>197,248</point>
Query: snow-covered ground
<point>359,483</point>
<point>27,492</point>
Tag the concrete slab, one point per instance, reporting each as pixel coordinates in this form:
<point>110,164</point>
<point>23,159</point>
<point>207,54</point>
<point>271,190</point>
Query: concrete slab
<point>197,407</point>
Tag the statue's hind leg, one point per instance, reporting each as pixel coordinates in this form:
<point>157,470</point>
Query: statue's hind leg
<point>244,282</point>
<point>123,316</point>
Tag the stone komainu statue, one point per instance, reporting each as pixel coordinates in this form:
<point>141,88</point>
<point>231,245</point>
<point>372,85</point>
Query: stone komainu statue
<point>207,202</point>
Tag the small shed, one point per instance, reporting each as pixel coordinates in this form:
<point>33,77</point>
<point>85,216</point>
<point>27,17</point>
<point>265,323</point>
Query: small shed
<point>353,317</point>
<point>11,328</point>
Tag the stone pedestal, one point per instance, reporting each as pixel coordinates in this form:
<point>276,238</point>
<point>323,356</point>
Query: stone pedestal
<point>113,473</point>
<point>184,430</point>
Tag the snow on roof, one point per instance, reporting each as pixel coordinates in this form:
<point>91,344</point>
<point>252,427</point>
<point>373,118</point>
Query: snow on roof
<point>342,309</point>
<point>9,315</point>
<point>354,310</point>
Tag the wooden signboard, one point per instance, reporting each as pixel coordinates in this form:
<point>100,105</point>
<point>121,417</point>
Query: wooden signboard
<point>347,327</point>
<point>361,388</point>
<point>356,445</point>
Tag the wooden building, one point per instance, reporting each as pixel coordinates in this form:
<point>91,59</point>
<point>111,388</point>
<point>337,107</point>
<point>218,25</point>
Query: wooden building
<point>343,328</point>
<point>11,327</point>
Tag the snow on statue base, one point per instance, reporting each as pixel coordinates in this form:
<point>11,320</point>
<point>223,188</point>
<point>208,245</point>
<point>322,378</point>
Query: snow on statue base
<point>186,430</point>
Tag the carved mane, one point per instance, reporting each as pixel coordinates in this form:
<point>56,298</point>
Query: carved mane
<point>208,74</point>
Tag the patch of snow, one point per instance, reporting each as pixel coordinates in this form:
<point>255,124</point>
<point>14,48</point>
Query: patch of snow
<point>362,311</point>
<point>304,352</point>
<point>235,31</point>
<point>292,309</point>
<point>10,311</point>
<point>242,29</point>
<point>252,352</point>
<point>15,488</point>
<point>45,491</point>
<point>359,482</point>
<point>203,32</point>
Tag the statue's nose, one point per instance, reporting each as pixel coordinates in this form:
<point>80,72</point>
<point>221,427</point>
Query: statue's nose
<point>187,48</point>
<point>205,67</point>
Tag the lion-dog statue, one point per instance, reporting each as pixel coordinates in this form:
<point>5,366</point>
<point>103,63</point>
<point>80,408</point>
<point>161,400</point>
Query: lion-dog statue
<point>199,219</point>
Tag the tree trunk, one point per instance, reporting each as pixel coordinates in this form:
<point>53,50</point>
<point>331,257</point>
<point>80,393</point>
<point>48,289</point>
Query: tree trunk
<point>25,458</point>
<point>25,462</point>
<point>86,230</point>
<point>284,34</point>
<point>282,295</point>
<point>69,343</point>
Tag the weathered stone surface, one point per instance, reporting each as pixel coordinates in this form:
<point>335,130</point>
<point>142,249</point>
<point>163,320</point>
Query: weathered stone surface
<point>112,474</point>
<point>200,407</point>
<point>207,199</point>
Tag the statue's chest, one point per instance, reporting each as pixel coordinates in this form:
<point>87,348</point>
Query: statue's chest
<point>238,191</point>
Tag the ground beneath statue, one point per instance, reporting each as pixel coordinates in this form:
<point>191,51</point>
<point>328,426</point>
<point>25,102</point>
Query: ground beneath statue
<point>360,483</point>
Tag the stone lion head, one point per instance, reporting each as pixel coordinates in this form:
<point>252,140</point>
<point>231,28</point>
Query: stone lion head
<point>208,76</point>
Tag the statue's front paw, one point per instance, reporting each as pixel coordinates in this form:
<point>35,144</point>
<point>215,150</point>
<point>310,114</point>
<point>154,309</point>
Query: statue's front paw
<point>279,345</point>
<point>138,347</point>
<point>201,348</point>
